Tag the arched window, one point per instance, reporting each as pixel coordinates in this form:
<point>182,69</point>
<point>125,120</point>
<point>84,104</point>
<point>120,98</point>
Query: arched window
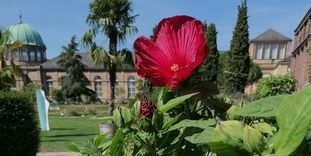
<point>49,84</point>
<point>131,87</point>
<point>98,86</point>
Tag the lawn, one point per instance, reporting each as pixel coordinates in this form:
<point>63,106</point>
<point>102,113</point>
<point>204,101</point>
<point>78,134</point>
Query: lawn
<point>65,130</point>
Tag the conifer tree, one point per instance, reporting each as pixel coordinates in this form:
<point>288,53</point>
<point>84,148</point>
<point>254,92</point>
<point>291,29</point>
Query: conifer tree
<point>237,68</point>
<point>74,83</point>
<point>209,68</point>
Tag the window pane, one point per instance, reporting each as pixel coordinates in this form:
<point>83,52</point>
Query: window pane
<point>131,87</point>
<point>273,50</point>
<point>281,50</point>
<point>15,56</point>
<point>32,56</point>
<point>24,56</point>
<point>49,84</point>
<point>98,87</point>
<point>258,51</point>
<point>38,56</point>
<point>266,50</point>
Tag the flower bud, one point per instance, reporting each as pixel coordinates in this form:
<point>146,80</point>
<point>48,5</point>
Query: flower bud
<point>146,107</point>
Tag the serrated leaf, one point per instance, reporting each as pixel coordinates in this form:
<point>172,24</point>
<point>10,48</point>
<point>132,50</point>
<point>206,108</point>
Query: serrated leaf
<point>253,140</point>
<point>293,118</point>
<point>265,107</point>
<point>175,102</point>
<point>193,123</point>
<point>265,128</point>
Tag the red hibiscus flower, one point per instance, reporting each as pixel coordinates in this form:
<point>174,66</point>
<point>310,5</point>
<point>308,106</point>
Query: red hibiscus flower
<point>146,107</point>
<point>177,49</point>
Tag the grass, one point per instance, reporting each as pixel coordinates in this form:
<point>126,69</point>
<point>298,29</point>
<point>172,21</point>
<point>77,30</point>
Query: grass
<point>65,130</point>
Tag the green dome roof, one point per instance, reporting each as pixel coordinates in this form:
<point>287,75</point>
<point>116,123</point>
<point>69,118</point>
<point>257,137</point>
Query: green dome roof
<point>26,34</point>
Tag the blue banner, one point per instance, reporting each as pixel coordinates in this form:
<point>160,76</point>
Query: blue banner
<point>43,109</point>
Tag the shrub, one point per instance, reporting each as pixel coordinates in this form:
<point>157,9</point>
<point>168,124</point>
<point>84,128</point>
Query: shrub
<point>57,96</point>
<point>19,129</point>
<point>275,85</point>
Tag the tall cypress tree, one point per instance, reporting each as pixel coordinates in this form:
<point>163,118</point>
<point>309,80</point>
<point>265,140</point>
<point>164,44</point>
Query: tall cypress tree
<point>209,68</point>
<point>238,65</point>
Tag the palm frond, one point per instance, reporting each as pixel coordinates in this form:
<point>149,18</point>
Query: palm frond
<point>99,55</point>
<point>125,57</point>
<point>88,36</point>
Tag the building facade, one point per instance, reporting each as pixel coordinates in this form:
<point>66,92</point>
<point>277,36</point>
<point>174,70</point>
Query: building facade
<point>302,43</point>
<point>97,76</point>
<point>31,58</point>
<point>271,51</point>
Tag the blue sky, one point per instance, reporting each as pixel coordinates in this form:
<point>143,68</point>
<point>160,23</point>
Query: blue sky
<point>58,20</point>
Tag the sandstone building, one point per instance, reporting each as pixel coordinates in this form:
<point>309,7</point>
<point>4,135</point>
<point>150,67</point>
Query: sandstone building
<point>31,58</point>
<point>271,51</point>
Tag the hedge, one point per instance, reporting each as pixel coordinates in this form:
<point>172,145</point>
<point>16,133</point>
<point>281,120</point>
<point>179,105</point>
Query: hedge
<point>19,129</point>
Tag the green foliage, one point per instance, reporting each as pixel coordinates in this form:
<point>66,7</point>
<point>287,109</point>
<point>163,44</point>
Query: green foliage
<point>275,85</point>
<point>57,96</point>
<point>19,130</point>
<point>266,107</point>
<point>293,119</point>
<point>74,83</point>
<point>254,74</point>
<point>237,68</point>
<point>208,70</point>
<point>223,60</point>
<point>175,102</point>
<point>6,80</point>
<point>112,19</point>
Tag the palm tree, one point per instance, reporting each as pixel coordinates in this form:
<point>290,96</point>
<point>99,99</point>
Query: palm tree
<point>111,18</point>
<point>8,69</point>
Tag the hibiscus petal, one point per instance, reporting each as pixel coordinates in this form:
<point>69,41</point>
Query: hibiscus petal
<point>182,38</point>
<point>155,64</point>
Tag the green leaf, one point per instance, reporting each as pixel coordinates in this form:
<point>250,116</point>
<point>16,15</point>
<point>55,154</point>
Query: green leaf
<point>160,97</point>
<point>204,137</point>
<point>228,130</point>
<point>175,102</point>
<point>253,140</point>
<point>73,148</point>
<point>193,123</point>
<point>157,120</point>
<point>98,140</point>
<point>136,108</point>
<point>265,107</point>
<point>116,147</point>
<point>293,118</point>
<point>117,119</point>
<point>126,115</point>
<point>171,121</point>
<point>228,149</point>
<point>265,128</point>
